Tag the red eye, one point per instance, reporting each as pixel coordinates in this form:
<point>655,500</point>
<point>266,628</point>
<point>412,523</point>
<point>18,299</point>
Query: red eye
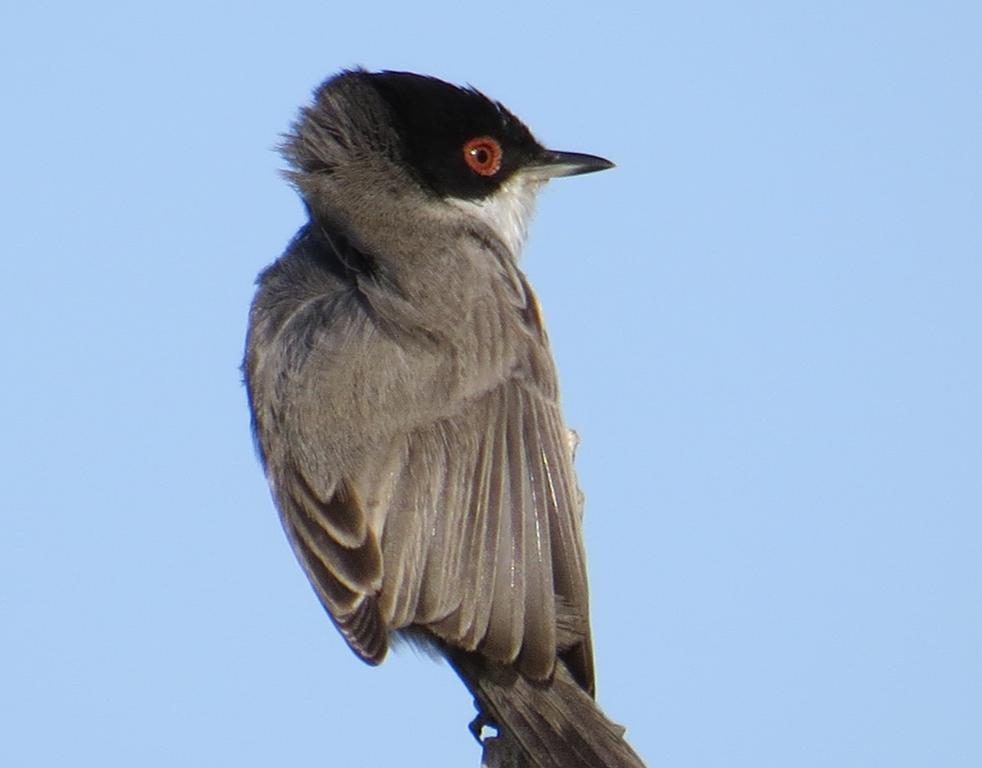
<point>483,155</point>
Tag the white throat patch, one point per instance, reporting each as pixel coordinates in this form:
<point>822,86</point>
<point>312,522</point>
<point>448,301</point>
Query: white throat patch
<point>508,211</point>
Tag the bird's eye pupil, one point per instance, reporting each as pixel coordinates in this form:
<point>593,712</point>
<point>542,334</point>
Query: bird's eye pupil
<point>483,155</point>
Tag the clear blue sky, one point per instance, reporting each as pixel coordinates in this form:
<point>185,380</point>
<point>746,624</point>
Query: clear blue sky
<point>768,322</point>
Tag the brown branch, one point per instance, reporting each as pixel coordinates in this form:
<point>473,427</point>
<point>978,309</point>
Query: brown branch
<point>502,752</point>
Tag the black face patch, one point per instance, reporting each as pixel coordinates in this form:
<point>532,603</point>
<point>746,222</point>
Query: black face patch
<point>436,121</point>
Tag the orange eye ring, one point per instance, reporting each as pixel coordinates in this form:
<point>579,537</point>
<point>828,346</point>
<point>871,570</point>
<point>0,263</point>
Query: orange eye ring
<point>483,155</point>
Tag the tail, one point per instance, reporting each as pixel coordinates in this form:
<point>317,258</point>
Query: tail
<point>554,725</point>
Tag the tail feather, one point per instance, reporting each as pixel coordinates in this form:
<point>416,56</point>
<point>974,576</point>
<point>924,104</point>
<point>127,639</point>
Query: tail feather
<point>556,724</point>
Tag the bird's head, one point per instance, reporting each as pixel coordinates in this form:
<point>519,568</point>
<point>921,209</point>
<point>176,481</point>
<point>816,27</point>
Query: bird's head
<point>421,140</point>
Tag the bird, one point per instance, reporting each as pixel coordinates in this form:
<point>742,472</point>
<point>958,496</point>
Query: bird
<point>405,404</point>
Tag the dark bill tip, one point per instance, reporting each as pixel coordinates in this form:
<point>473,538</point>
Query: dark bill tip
<point>551,164</point>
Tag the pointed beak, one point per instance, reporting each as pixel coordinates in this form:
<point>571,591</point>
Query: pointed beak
<point>551,164</point>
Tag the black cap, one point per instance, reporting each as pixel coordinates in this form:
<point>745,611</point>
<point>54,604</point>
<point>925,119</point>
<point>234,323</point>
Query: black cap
<point>459,143</point>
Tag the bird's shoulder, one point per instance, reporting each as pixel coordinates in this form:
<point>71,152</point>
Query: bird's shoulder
<point>317,264</point>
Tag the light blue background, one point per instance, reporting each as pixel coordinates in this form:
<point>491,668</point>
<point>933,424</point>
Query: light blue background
<point>768,326</point>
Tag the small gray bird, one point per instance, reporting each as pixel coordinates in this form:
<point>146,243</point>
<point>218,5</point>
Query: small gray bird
<point>406,409</point>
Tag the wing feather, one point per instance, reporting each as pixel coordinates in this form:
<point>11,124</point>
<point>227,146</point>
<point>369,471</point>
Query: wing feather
<point>503,638</point>
<point>469,622</point>
<point>402,546</point>
<point>357,567</point>
<point>469,528</point>
<point>343,521</point>
<point>497,556</point>
<point>354,613</point>
<point>568,556</point>
<point>539,645</point>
